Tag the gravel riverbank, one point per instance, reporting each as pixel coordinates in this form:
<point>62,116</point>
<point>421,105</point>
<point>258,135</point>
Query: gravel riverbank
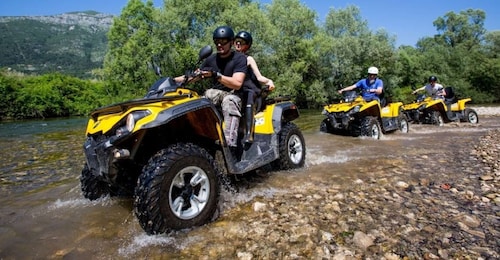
<point>398,211</point>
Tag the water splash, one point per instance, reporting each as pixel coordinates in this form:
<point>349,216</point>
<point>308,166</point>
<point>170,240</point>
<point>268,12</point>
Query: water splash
<point>141,241</point>
<point>81,202</point>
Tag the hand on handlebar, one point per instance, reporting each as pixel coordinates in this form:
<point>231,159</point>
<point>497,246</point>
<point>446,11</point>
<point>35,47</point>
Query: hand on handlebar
<point>270,85</point>
<point>202,73</point>
<point>209,74</point>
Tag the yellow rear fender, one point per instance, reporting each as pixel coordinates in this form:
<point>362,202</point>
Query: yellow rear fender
<point>460,104</point>
<point>392,109</point>
<point>270,120</point>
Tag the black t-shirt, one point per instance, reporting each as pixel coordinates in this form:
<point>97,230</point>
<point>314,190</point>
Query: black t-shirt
<point>236,62</point>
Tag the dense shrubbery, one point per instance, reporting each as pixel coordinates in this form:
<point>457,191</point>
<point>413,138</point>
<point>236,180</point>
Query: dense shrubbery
<point>49,95</point>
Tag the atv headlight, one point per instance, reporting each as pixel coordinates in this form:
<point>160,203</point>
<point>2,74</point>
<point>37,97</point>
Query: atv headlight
<point>355,109</point>
<point>130,122</point>
<point>135,116</point>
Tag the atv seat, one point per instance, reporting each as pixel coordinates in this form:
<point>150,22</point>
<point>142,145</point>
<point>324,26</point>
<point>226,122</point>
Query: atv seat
<point>450,97</point>
<point>249,112</point>
<point>383,100</point>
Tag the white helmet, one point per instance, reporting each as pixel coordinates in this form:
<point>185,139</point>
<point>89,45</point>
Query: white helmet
<point>372,70</point>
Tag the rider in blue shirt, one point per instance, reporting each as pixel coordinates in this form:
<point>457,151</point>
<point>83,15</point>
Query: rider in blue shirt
<point>371,87</point>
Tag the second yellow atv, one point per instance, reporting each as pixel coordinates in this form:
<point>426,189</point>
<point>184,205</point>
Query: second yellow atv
<point>357,117</point>
<point>438,112</point>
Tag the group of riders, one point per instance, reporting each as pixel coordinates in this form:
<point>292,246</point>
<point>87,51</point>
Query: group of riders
<point>372,87</point>
<point>237,80</point>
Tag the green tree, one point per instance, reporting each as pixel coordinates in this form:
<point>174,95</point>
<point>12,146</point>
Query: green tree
<point>291,47</point>
<point>350,48</point>
<point>466,28</point>
<point>485,72</point>
<point>127,66</point>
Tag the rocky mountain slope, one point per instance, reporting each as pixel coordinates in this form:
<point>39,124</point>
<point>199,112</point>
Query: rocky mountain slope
<point>71,43</point>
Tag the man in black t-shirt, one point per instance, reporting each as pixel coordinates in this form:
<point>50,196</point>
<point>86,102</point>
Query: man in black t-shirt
<point>228,68</point>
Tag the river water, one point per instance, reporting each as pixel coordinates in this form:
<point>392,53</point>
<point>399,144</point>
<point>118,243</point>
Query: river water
<point>43,214</point>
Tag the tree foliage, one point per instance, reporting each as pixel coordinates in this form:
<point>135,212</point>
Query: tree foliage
<point>308,61</point>
<point>127,64</point>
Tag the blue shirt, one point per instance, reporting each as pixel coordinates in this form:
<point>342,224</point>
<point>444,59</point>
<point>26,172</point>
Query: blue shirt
<point>365,87</point>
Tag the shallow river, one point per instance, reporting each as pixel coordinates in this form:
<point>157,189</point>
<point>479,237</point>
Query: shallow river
<point>43,214</point>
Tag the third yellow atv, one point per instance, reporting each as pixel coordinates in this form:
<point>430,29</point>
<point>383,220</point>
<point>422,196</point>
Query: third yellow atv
<point>357,117</point>
<point>438,112</point>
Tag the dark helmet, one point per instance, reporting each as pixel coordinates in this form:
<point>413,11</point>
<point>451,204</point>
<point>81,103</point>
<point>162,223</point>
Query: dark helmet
<point>433,78</point>
<point>245,36</point>
<point>223,32</point>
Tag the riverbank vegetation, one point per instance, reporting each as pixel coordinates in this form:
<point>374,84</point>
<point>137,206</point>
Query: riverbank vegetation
<point>307,60</point>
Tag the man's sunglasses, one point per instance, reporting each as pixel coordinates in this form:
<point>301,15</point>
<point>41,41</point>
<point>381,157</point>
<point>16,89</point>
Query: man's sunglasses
<point>221,41</point>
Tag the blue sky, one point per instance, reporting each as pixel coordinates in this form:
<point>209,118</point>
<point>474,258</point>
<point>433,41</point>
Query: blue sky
<point>408,20</point>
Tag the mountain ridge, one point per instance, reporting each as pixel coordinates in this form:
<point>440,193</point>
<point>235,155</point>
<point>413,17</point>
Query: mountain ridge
<point>73,43</point>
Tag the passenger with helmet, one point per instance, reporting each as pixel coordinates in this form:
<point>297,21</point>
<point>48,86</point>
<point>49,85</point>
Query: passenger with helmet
<point>371,87</point>
<point>253,81</point>
<point>433,89</point>
<point>228,69</point>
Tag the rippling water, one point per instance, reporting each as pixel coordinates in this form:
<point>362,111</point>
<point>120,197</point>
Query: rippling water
<point>43,214</point>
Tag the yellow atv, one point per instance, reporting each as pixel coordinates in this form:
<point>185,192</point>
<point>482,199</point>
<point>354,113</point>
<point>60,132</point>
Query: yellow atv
<point>168,151</point>
<point>357,117</point>
<point>438,112</point>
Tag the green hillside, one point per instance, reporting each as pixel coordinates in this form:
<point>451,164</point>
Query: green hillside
<point>71,43</point>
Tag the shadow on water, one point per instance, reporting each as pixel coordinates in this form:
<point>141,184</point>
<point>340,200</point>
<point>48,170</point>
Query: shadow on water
<point>43,214</point>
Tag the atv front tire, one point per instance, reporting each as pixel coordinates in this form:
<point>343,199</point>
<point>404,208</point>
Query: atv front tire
<point>325,126</point>
<point>177,189</point>
<point>370,127</point>
<point>437,118</point>
<point>92,187</point>
<point>292,148</point>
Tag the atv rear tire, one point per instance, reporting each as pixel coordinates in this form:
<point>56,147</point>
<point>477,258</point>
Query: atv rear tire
<point>470,116</point>
<point>177,189</point>
<point>370,127</point>
<point>292,148</point>
<point>92,187</point>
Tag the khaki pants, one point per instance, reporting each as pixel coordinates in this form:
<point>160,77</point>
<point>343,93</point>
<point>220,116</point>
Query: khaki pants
<point>231,105</point>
